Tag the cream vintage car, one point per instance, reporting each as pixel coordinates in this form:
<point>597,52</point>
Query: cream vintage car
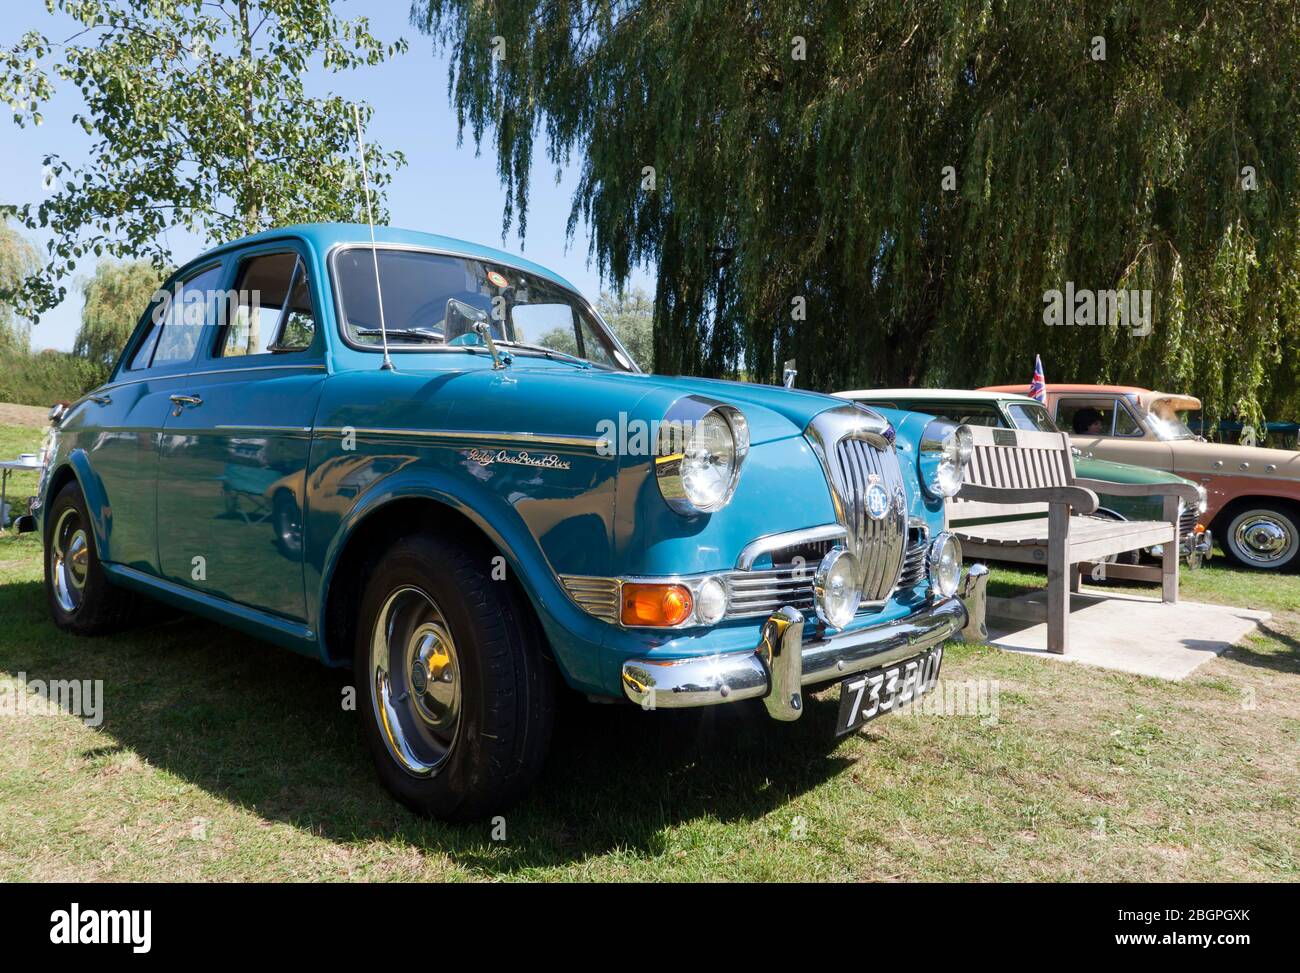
<point>1252,494</point>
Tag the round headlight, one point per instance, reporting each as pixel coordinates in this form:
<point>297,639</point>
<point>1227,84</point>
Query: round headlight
<point>835,590</point>
<point>701,467</point>
<point>944,562</point>
<point>710,601</point>
<point>945,450</point>
<point>1203,500</point>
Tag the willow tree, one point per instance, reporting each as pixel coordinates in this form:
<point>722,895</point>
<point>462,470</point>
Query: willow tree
<point>890,191</point>
<point>113,299</point>
<point>199,119</point>
<point>18,259</point>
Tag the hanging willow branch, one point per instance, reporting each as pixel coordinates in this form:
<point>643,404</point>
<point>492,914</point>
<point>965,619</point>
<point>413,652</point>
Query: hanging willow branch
<point>1099,145</point>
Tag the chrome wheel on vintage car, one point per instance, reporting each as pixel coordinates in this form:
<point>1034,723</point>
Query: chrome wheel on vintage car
<point>70,553</point>
<point>1263,537</point>
<point>457,698</point>
<point>415,681</point>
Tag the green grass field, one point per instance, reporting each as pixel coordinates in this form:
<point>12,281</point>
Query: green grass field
<point>222,758</point>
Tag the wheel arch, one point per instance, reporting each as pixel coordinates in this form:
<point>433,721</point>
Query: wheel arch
<point>1228,509</point>
<point>380,523</point>
<point>76,468</point>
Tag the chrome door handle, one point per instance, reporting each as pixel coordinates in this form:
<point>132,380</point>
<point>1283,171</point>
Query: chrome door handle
<point>181,401</point>
<point>101,399</point>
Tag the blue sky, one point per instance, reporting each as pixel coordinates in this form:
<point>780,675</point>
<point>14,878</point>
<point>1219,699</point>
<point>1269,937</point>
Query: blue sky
<point>442,189</point>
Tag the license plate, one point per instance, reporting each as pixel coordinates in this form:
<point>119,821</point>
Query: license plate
<point>878,691</point>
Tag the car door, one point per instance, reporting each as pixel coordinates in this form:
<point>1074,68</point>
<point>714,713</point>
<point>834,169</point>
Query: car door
<point>1107,426</point>
<point>234,451</point>
<point>123,421</point>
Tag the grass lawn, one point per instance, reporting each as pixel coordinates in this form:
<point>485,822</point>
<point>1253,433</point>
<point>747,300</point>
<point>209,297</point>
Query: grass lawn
<point>220,757</point>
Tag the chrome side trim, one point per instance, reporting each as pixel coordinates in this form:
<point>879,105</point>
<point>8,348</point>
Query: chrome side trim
<point>200,373</point>
<point>598,443</point>
<point>791,538</point>
<point>274,430</point>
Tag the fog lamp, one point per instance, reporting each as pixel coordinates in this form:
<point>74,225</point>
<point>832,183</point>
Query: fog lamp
<point>835,591</point>
<point>944,562</point>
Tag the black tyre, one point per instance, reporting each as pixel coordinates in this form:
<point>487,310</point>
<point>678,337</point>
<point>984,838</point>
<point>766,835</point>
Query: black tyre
<point>457,701</point>
<point>77,590</point>
<point>1260,534</point>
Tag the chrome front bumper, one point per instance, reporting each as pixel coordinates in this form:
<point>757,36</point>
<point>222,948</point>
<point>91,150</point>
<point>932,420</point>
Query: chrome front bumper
<point>782,662</point>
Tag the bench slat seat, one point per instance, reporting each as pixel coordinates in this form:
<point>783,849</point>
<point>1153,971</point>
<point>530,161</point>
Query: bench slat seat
<point>1026,480</point>
<point>1083,529</point>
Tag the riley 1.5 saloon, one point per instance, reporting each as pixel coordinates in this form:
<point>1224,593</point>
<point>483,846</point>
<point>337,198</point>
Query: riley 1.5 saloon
<point>434,462</point>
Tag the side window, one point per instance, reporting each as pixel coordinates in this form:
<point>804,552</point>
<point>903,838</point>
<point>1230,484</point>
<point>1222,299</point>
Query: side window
<point>1125,424</point>
<point>1087,417</point>
<point>143,353</point>
<point>178,320</point>
<point>270,308</point>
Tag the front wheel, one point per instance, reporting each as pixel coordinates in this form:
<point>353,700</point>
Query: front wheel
<point>457,701</point>
<point>1262,535</point>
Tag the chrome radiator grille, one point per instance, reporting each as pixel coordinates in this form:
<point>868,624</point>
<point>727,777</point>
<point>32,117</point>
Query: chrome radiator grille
<point>918,545</point>
<point>1187,520</point>
<point>754,593</point>
<point>878,544</point>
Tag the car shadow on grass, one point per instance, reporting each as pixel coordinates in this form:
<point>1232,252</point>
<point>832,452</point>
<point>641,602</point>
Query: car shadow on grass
<point>1288,661</point>
<point>265,729</point>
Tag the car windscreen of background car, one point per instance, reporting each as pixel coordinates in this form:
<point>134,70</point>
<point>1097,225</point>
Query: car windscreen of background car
<point>1031,417</point>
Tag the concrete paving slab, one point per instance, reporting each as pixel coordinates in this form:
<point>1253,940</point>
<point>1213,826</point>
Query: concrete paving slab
<point>1124,632</point>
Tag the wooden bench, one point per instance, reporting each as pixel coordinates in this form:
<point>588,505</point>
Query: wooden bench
<point>1022,502</point>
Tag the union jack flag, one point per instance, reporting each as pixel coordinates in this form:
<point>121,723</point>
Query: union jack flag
<point>1038,384</point>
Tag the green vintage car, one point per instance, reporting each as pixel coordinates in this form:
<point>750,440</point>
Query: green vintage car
<point>1009,411</point>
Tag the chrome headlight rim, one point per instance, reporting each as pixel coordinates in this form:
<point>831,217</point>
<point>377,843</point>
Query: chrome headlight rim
<point>682,418</point>
<point>946,448</point>
<point>838,557</point>
<point>934,558</point>
<point>1203,499</point>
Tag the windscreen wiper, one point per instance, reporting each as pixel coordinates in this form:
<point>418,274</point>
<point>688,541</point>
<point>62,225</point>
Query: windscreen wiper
<point>548,352</point>
<point>417,334</point>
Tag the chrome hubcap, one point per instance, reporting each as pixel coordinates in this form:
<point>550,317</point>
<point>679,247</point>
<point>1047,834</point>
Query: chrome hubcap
<point>415,675</point>
<point>1263,537</point>
<point>71,560</point>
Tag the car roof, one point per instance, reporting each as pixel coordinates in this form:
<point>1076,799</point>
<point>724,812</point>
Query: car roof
<point>1072,387</point>
<point>323,236</point>
<point>933,395</point>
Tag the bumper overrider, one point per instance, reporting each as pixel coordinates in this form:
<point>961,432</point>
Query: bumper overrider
<point>1196,547</point>
<point>783,662</point>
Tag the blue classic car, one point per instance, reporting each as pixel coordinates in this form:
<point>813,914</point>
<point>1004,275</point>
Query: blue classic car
<point>433,462</point>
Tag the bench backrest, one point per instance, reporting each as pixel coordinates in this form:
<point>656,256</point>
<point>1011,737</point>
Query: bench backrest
<point>1013,458</point>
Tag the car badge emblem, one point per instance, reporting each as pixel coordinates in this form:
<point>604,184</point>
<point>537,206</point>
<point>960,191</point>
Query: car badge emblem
<point>877,499</point>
